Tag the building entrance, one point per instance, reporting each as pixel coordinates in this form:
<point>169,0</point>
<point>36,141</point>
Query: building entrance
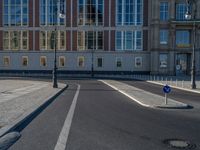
<point>183,64</point>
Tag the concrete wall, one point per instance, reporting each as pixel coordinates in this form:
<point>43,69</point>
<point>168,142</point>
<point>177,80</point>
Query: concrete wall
<point>109,61</point>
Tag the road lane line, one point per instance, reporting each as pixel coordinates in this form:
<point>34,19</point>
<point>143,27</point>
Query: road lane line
<point>63,137</point>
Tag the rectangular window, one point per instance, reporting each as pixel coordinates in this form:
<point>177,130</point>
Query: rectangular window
<point>118,62</point>
<point>90,40</point>
<point>43,61</point>
<point>6,40</point>
<point>129,12</point>
<point>99,62</point>
<point>163,36</point>
<point>48,14</point>
<point>15,12</point>
<point>163,60</point>
<point>47,39</point>
<point>138,62</point>
<point>81,61</point>
<point>181,9</point>
<point>128,40</point>
<point>6,61</point>
<point>61,61</point>
<point>24,61</point>
<point>164,11</point>
<point>15,40</point>
<point>183,38</point>
<point>90,12</point>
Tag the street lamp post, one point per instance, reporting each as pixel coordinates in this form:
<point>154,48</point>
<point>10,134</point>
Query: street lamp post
<point>92,66</point>
<point>188,16</point>
<point>55,82</point>
<point>61,15</point>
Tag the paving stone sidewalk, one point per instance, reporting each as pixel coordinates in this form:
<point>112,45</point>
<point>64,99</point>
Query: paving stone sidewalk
<point>142,97</point>
<point>18,97</point>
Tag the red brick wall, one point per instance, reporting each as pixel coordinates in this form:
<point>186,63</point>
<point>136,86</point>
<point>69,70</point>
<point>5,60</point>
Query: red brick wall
<point>1,13</point>
<point>68,40</point>
<point>37,13</point>
<point>106,40</point>
<point>74,41</point>
<point>37,40</point>
<point>145,11</point>
<point>30,40</point>
<point>75,13</point>
<point>30,13</point>
<point>113,7</point>
<point>106,13</point>
<point>1,40</point>
<point>68,13</point>
<point>112,40</point>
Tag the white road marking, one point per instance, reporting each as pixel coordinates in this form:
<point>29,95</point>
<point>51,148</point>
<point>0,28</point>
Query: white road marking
<point>131,97</point>
<point>63,137</point>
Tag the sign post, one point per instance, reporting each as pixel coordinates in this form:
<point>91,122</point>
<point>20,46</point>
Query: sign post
<point>166,90</point>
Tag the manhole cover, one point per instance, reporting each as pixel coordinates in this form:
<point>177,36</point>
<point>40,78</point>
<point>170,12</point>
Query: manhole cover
<point>180,144</point>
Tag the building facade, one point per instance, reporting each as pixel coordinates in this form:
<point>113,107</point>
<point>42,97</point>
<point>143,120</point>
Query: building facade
<point>113,36</point>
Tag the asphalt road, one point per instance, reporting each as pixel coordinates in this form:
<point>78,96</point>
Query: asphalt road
<point>104,119</point>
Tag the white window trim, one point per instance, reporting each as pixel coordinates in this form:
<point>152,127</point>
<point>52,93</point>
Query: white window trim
<point>26,57</point>
<point>41,61</point>
<point>141,60</point>
<point>120,59</point>
<point>78,58</point>
<point>9,61</point>
<point>9,14</point>
<point>62,57</point>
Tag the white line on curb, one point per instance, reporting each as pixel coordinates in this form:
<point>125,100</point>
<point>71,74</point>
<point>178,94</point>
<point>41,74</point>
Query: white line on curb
<point>63,137</point>
<point>134,99</point>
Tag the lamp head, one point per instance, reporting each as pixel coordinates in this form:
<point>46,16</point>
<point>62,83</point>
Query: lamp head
<point>188,15</point>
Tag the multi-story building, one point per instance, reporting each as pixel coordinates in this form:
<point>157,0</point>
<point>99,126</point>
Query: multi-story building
<point>113,36</point>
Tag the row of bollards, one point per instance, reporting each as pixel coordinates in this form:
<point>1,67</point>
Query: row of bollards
<point>161,79</point>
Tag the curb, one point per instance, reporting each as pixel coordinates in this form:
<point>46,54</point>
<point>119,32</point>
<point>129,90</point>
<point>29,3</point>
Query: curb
<point>184,89</point>
<point>184,106</point>
<point>29,116</point>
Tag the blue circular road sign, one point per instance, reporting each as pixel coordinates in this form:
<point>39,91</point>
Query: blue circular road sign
<point>166,89</point>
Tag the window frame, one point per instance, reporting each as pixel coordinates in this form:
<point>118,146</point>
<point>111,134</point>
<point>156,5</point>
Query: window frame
<point>118,59</point>
<point>10,4</point>
<point>64,58</point>
<point>164,36</point>
<point>24,57</point>
<point>84,14</point>
<point>164,12</point>
<point>135,14</point>
<point>97,62</point>
<point>19,37</point>
<point>78,62</point>
<point>161,60</point>
<point>140,60</point>
<point>45,58</point>
<point>9,61</point>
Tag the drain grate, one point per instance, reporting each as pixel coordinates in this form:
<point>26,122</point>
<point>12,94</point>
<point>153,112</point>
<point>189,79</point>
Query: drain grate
<point>180,144</point>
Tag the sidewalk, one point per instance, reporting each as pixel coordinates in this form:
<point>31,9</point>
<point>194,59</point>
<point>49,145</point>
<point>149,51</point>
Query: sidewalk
<point>142,97</point>
<point>19,98</point>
